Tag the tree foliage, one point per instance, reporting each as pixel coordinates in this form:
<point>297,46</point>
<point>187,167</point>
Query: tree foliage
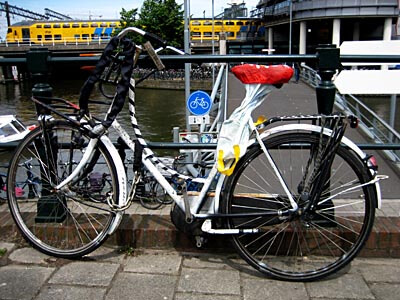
<point>161,17</point>
<point>128,17</point>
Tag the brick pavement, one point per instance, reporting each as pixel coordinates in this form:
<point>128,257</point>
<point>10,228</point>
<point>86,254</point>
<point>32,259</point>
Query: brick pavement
<point>169,274</point>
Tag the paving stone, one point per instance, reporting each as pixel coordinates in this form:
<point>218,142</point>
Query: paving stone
<point>186,296</point>
<point>348,286</point>
<point>142,287</point>
<point>8,246</point>
<point>22,282</point>
<point>206,262</point>
<point>210,281</point>
<point>381,273</point>
<point>108,254</point>
<point>273,289</point>
<point>362,261</point>
<point>159,263</point>
<point>385,291</point>
<point>30,256</point>
<point>70,293</point>
<point>85,273</point>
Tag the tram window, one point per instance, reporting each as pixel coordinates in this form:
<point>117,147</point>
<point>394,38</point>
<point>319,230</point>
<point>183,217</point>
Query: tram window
<point>229,23</point>
<point>85,36</point>
<point>207,23</point>
<point>239,23</point>
<point>94,25</point>
<point>218,23</point>
<point>56,25</point>
<point>75,25</point>
<point>77,36</point>
<point>196,23</point>
<point>9,30</point>
<point>39,37</point>
<point>39,26</point>
<point>103,25</point>
<point>230,34</point>
<point>46,26</point>
<point>85,25</point>
<point>66,25</point>
<point>57,37</point>
<point>48,37</point>
<point>208,34</point>
<point>247,23</point>
<point>113,25</point>
<point>196,34</point>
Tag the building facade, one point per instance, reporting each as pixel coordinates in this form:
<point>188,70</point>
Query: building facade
<point>299,26</point>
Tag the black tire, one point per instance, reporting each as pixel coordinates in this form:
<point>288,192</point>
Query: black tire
<point>155,196</point>
<point>68,223</point>
<point>315,244</point>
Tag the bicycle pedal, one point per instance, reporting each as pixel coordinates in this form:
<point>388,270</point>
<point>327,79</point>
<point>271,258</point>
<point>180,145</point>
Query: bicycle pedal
<point>140,189</point>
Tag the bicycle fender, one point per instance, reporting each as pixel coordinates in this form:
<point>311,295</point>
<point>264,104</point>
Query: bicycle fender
<point>122,198</point>
<point>116,222</point>
<point>314,128</point>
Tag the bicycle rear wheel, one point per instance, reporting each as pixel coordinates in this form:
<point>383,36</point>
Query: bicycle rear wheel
<point>315,244</point>
<point>71,222</point>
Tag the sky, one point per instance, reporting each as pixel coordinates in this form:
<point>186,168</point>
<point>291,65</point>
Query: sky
<point>106,9</point>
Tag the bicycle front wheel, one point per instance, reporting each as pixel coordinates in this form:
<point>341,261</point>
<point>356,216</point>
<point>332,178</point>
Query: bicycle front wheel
<point>75,220</point>
<point>316,243</point>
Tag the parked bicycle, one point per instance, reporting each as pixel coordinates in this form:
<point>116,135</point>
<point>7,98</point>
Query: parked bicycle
<point>27,186</point>
<point>299,204</point>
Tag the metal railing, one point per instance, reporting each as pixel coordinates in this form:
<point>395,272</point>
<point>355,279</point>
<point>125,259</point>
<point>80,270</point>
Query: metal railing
<point>55,41</point>
<point>327,58</point>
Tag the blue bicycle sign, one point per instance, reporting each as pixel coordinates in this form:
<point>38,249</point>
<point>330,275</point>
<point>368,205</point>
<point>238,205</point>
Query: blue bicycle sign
<point>199,103</point>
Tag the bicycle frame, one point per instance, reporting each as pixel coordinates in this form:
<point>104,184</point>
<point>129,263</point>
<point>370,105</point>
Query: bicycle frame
<point>197,202</point>
<point>192,208</point>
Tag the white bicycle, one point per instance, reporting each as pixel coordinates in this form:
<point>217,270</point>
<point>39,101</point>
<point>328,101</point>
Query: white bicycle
<point>299,204</point>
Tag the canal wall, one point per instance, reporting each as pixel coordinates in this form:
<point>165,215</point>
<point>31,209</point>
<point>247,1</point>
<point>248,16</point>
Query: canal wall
<point>176,84</point>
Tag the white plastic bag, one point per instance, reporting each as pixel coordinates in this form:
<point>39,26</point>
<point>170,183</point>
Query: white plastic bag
<point>235,131</point>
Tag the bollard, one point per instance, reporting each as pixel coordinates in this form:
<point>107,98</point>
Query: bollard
<point>36,60</point>
<point>328,62</point>
<point>50,208</point>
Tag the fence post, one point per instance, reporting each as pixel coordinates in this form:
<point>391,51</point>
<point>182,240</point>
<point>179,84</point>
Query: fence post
<point>328,62</point>
<point>49,207</point>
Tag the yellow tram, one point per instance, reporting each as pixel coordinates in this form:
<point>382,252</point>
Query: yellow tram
<point>201,29</point>
<point>56,32</point>
<point>47,32</point>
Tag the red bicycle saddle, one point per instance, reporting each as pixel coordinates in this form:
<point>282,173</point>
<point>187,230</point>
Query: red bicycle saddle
<point>253,74</point>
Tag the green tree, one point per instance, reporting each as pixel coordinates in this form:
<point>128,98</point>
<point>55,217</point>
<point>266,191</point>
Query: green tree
<point>163,18</point>
<point>128,17</point>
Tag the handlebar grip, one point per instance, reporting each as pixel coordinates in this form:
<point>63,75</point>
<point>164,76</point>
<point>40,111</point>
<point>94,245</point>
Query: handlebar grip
<point>156,59</point>
<point>154,38</point>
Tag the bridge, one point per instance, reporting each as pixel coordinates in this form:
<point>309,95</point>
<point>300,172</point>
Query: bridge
<point>69,47</point>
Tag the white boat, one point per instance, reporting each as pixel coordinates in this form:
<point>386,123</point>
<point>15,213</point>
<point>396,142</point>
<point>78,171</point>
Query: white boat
<point>12,130</point>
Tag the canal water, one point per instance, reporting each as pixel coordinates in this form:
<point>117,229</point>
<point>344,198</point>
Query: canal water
<point>158,111</point>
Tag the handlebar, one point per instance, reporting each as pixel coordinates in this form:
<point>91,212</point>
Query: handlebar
<point>147,35</point>
<point>129,52</point>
